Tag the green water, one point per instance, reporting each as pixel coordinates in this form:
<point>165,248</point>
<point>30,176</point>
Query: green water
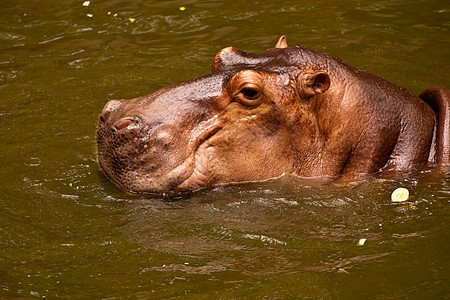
<point>66,232</point>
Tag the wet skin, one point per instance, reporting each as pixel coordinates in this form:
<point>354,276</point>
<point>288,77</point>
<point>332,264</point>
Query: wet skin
<point>288,110</point>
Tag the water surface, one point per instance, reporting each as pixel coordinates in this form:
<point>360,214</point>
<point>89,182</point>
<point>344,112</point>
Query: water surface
<point>66,232</point>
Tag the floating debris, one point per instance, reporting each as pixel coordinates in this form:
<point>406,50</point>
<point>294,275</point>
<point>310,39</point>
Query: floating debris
<point>90,15</point>
<point>132,20</point>
<point>400,195</point>
<point>35,294</point>
<point>361,242</point>
<point>86,3</point>
<point>182,8</point>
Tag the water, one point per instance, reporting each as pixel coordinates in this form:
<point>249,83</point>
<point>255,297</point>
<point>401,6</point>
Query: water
<point>66,232</point>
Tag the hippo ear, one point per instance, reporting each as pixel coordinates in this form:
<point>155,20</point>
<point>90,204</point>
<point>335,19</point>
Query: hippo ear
<point>313,83</point>
<point>282,42</point>
<point>226,56</point>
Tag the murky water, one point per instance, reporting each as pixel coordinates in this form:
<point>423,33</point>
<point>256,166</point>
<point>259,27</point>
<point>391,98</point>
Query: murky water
<point>66,232</point>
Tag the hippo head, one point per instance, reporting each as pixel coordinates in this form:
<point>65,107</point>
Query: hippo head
<point>249,120</point>
<point>255,117</point>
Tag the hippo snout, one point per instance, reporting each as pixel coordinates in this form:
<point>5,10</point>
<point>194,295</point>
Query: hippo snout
<point>139,151</point>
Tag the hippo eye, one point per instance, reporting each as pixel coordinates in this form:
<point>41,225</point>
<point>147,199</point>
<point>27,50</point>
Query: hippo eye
<point>250,93</point>
<point>247,88</point>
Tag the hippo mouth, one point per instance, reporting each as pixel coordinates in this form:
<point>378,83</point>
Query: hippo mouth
<point>129,169</point>
<point>200,174</point>
<point>193,174</point>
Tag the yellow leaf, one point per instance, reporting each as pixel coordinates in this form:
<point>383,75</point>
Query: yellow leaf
<point>400,195</point>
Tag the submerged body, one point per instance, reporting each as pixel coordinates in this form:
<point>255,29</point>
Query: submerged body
<point>288,110</point>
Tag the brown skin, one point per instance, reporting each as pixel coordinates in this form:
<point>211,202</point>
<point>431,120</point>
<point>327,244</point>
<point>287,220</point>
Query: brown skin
<point>288,110</point>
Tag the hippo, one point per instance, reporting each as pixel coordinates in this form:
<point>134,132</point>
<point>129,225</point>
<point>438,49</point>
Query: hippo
<point>258,116</point>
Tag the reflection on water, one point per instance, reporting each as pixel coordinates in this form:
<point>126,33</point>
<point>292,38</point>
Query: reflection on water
<point>65,231</point>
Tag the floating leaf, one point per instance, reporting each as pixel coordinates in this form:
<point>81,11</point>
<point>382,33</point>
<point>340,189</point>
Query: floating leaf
<point>400,195</point>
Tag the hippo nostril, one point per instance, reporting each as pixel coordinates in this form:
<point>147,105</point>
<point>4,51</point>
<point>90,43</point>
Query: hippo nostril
<point>123,123</point>
<point>108,108</point>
